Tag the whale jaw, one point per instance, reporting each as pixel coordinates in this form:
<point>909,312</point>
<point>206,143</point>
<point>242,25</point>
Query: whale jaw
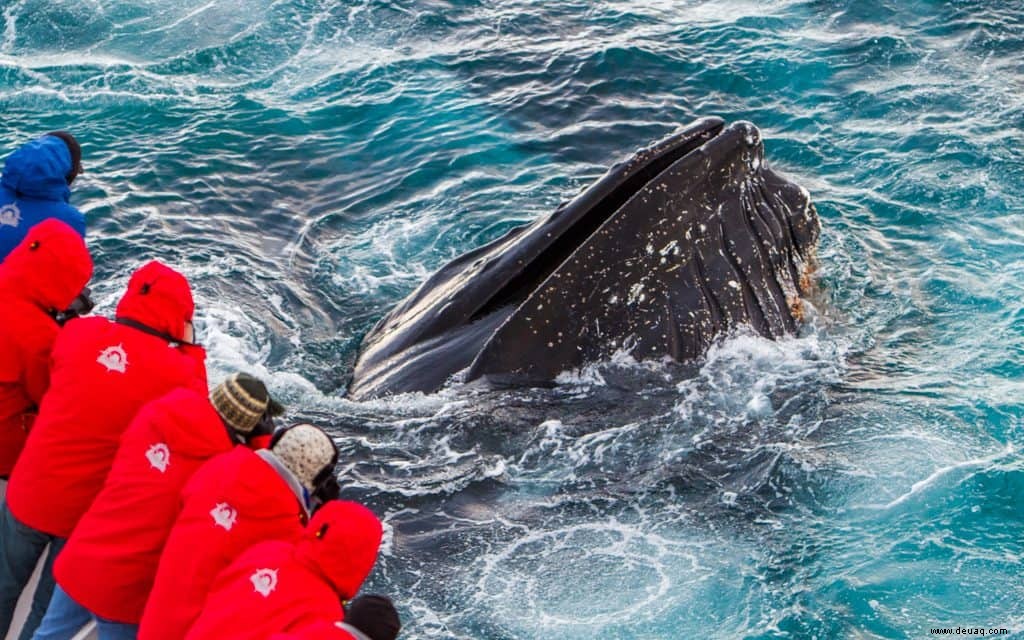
<point>685,240</point>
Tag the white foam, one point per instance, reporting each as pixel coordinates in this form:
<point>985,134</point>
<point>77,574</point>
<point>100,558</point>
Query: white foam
<point>530,573</point>
<point>11,26</point>
<point>588,376</point>
<point>378,256</point>
<point>592,374</point>
<point>940,473</point>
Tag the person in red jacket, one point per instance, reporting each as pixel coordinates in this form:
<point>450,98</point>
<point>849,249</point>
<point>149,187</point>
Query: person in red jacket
<point>43,275</point>
<point>233,501</point>
<point>122,534</point>
<point>101,374</point>
<point>282,586</point>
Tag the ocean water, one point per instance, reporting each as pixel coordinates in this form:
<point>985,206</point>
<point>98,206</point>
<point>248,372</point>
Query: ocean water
<point>308,162</point>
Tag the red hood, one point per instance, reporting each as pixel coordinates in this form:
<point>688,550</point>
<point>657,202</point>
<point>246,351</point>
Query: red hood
<point>49,268</point>
<point>160,298</point>
<point>190,424</point>
<point>340,543</point>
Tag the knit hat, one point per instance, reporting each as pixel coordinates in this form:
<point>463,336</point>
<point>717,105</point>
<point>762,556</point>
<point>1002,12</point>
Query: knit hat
<point>375,616</point>
<point>74,149</point>
<point>242,401</point>
<point>307,452</point>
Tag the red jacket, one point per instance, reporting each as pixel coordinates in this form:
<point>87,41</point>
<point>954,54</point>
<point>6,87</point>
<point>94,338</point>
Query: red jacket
<point>232,502</point>
<point>33,281</point>
<point>318,631</point>
<point>122,534</point>
<point>102,373</point>
<point>282,586</point>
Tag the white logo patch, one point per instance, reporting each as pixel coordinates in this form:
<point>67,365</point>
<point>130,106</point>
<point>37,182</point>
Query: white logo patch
<point>159,457</point>
<point>264,581</point>
<point>10,215</point>
<point>224,515</point>
<point>114,359</point>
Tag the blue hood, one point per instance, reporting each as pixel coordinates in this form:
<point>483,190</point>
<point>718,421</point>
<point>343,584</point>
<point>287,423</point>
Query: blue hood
<point>39,170</point>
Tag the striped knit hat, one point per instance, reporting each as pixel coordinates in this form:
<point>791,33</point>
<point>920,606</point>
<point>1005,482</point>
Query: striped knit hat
<point>242,401</point>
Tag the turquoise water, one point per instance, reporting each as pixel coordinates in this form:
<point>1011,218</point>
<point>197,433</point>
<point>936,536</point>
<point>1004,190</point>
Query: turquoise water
<point>308,163</point>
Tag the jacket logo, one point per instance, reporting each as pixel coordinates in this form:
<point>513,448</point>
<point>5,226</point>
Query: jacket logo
<point>159,457</point>
<point>224,515</point>
<point>10,215</point>
<point>114,359</point>
<point>264,581</point>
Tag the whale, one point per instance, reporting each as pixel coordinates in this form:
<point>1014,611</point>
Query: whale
<point>686,240</point>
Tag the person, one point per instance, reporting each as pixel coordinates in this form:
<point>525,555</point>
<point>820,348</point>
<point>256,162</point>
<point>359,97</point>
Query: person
<point>101,374</point>
<point>233,501</point>
<point>282,586</point>
<point>35,186</point>
<point>122,534</point>
<point>43,274</point>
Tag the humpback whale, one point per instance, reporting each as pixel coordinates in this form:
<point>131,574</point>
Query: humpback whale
<point>685,240</point>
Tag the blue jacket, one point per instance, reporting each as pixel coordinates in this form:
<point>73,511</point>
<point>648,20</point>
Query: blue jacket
<point>34,188</point>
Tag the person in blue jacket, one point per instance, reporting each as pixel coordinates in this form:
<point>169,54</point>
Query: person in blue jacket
<point>35,186</point>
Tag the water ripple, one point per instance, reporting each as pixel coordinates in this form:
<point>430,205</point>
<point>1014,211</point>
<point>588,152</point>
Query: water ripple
<point>309,162</point>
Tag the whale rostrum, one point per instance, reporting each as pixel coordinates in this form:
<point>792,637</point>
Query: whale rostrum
<point>685,240</point>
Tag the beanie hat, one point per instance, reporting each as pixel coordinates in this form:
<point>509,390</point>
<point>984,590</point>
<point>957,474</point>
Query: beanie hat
<point>74,149</point>
<point>306,451</point>
<point>375,616</point>
<point>242,401</point>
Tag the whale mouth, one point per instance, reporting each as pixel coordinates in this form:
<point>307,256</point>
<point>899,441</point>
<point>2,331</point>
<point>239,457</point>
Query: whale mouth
<point>623,181</point>
<point>687,239</point>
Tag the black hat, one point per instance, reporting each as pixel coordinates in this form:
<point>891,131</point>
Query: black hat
<point>375,616</point>
<point>76,153</point>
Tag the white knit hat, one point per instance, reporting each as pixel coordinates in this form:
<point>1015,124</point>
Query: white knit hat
<point>306,451</point>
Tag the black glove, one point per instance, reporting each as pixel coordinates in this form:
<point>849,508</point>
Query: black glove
<point>327,490</point>
<point>264,427</point>
<point>375,616</point>
<point>80,306</point>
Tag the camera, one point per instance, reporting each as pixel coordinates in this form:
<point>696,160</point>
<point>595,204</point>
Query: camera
<point>80,306</point>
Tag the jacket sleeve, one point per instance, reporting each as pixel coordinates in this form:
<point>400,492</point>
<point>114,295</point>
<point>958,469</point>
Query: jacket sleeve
<point>198,381</point>
<point>319,631</point>
<point>191,558</point>
<point>11,365</point>
<point>27,368</point>
<point>37,375</point>
<point>75,219</point>
<point>260,442</point>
